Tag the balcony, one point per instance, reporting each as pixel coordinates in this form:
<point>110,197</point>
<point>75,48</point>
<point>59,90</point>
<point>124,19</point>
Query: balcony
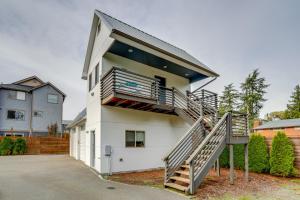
<point>126,89</point>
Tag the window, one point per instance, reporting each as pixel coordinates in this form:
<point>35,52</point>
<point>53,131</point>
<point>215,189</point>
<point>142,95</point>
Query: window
<point>18,95</point>
<point>98,28</point>
<point>16,114</point>
<point>38,113</point>
<point>97,74</point>
<point>52,98</point>
<point>134,138</point>
<point>94,77</point>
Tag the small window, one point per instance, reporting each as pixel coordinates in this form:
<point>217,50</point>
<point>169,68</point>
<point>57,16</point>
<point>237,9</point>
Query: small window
<point>16,114</point>
<point>134,138</point>
<point>38,113</point>
<point>98,28</point>
<point>97,74</point>
<point>52,98</point>
<point>18,95</point>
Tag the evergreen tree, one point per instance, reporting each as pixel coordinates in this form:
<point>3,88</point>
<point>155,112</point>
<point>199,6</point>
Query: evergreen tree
<point>229,99</point>
<point>293,108</point>
<point>252,97</point>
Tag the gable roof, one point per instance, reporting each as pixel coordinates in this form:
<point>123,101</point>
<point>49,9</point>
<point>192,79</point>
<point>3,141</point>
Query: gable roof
<point>28,79</point>
<point>50,84</point>
<point>280,124</point>
<point>81,116</point>
<point>133,33</point>
<point>16,87</point>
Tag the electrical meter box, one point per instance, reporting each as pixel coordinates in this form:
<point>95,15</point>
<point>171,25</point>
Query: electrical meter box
<point>107,150</point>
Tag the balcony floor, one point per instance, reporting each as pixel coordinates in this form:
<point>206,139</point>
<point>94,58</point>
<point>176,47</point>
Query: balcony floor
<point>123,101</point>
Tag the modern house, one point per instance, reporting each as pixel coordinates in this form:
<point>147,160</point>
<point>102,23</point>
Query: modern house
<point>29,106</point>
<point>141,113</point>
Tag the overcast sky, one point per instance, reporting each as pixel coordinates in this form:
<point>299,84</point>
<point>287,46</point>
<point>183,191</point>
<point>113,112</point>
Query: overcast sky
<point>49,39</point>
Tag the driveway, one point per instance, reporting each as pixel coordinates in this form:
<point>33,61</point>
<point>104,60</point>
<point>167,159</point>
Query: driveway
<point>59,177</point>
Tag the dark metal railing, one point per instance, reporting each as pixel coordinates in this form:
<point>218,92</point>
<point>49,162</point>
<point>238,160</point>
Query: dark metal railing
<point>208,97</point>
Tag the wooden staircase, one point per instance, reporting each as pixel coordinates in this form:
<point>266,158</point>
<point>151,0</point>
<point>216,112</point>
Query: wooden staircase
<point>190,160</point>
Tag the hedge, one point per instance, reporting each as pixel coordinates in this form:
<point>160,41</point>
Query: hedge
<point>282,156</point>
<point>6,146</point>
<point>238,155</point>
<point>258,154</point>
<point>19,147</point>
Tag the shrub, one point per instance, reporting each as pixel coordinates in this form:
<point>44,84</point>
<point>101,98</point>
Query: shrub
<point>238,155</point>
<point>19,147</point>
<point>282,156</point>
<point>6,146</point>
<point>258,154</point>
<point>224,158</point>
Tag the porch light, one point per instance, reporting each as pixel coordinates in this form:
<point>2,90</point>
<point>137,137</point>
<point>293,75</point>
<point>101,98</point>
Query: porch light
<point>165,67</point>
<point>187,74</point>
<point>130,50</point>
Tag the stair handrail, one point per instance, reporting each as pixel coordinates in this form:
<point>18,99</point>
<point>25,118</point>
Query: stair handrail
<point>207,138</point>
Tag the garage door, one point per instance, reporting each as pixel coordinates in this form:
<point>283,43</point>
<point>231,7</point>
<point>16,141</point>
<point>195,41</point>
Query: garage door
<point>82,145</point>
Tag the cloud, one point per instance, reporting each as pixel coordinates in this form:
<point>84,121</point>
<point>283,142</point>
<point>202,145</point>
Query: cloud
<point>49,39</point>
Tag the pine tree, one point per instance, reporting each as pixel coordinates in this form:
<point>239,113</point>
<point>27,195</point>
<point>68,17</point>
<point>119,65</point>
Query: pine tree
<point>229,99</point>
<point>293,108</point>
<point>252,97</point>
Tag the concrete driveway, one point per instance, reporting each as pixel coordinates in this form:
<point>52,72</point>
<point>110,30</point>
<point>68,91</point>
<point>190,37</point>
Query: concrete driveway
<point>59,177</point>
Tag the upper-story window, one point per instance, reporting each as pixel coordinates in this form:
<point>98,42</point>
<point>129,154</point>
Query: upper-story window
<point>17,95</point>
<point>52,98</point>
<point>16,114</point>
<point>94,77</point>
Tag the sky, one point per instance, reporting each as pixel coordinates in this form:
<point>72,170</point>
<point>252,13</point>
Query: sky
<point>49,39</point>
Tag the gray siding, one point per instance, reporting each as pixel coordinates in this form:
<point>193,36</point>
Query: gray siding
<point>7,104</point>
<point>52,113</point>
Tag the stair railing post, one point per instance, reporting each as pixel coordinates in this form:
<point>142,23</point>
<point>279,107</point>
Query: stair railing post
<point>166,170</point>
<point>191,176</point>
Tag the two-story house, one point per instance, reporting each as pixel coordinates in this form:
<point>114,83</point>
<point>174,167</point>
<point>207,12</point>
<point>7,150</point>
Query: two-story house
<point>29,106</point>
<point>140,111</point>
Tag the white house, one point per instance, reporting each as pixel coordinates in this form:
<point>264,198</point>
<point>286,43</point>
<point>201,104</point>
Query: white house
<point>138,103</point>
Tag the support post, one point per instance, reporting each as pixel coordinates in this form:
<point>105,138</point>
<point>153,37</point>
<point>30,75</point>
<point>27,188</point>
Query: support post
<point>231,175</point>
<point>218,167</point>
<point>246,163</point>
<point>191,176</point>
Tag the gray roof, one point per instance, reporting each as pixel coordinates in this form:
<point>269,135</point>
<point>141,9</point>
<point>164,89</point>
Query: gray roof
<point>16,87</point>
<point>119,26</point>
<point>67,122</point>
<point>280,124</point>
<point>78,118</point>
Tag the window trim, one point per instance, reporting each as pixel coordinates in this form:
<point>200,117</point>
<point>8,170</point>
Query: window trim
<point>52,94</point>
<point>15,111</point>
<point>135,131</point>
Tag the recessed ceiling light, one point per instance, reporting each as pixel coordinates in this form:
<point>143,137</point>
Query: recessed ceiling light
<point>165,66</point>
<point>187,74</point>
<point>130,50</point>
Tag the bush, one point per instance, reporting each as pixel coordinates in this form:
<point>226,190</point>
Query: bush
<point>238,155</point>
<point>6,146</point>
<point>19,147</point>
<point>258,154</point>
<point>282,156</point>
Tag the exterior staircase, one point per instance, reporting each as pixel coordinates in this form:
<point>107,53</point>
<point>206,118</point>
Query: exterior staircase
<point>189,161</point>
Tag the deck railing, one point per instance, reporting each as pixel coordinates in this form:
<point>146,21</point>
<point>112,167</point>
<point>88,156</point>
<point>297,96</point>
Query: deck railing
<point>125,82</point>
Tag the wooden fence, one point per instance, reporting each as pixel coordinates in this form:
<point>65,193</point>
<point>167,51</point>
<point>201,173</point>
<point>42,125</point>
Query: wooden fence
<point>46,145</point>
<point>296,141</point>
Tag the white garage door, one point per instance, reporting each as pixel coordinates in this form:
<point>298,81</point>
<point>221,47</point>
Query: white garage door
<point>82,145</point>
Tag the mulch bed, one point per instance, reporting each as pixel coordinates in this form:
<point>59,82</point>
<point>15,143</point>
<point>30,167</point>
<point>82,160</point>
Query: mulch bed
<point>213,186</point>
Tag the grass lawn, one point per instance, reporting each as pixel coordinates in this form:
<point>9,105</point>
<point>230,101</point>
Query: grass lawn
<point>260,186</point>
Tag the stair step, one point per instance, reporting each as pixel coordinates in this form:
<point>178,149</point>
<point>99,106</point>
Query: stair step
<point>176,186</point>
<point>182,172</point>
<point>185,166</point>
<point>181,179</point>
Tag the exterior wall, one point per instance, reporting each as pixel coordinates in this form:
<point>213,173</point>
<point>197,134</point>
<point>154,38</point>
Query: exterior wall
<point>6,104</point>
<point>172,80</point>
<point>52,113</point>
<point>162,131</point>
<point>290,132</point>
<point>101,44</point>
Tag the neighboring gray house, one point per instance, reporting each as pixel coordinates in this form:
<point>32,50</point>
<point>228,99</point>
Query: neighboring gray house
<point>29,106</point>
